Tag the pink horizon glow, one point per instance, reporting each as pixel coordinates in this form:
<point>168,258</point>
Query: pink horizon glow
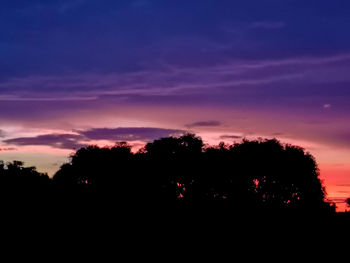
<point>333,159</point>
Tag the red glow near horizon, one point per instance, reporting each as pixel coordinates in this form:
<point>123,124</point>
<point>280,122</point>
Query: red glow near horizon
<point>337,183</point>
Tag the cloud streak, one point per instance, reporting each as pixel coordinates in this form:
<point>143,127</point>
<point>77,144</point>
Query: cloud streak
<point>82,137</point>
<point>244,77</point>
<point>60,141</point>
<point>230,137</point>
<point>129,134</point>
<point>203,124</point>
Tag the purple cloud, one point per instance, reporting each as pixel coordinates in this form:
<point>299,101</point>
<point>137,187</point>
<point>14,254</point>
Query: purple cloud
<point>279,84</point>
<point>278,134</point>
<point>129,134</point>
<point>73,141</point>
<point>61,141</point>
<point>204,124</point>
<point>239,79</point>
<point>228,137</point>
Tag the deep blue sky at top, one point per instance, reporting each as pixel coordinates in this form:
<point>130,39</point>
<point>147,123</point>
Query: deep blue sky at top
<point>60,36</point>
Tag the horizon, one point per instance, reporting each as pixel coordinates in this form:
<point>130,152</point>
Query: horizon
<point>79,72</point>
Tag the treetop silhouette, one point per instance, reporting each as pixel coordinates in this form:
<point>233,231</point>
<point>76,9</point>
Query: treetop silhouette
<point>253,175</point>
<point>256,175</point>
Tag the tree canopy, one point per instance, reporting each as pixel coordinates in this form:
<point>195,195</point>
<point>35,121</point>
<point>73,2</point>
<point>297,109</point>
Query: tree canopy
<point>254,175</point>
<point>17,181</point>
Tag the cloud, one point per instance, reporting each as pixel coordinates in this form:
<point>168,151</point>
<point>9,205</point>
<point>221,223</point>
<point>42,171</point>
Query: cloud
<point>171,80</point>
<point>278,134</point>
<point>240,79</point>
<point>203,124</point>
<point>286,85</point>
<point>74,141</point>
<point>61,141</point>
<point>129,134</point>
<point>46,98</point>
<point>8,149</point>
<point>227,137</point>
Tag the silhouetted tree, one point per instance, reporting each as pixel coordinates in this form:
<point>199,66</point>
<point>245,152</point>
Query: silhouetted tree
<point>17,181</point>
<point>91,169</point>
<point>277,176</point>
<point>254,175</point>
<point>172,164</point>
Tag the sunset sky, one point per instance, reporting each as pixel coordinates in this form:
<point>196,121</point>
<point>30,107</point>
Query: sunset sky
<point>78,72</point>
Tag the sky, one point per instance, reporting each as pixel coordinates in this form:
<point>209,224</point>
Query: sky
<point>79,72</point>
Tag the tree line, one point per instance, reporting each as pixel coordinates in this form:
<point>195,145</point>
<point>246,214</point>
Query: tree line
<point>253,175</point>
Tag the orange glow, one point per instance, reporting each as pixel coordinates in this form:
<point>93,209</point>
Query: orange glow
<point>337,181</point>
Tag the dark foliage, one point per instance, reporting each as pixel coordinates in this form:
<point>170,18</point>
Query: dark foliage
<point>251,176</point>
<point>259,175</point>
<point>19,182</point>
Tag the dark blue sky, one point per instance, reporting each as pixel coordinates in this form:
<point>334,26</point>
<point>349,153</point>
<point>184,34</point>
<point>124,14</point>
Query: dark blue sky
<point>60,36</point>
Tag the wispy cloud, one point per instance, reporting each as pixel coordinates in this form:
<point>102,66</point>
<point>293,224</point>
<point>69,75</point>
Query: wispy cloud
<point>47,98</point>
<point>82,137</point>
<point>61,141</point>
<point>129,133</point>
<point>279,86</point>
<point>230,137</point>
<point>244,76</point>
<point>8,149</point>
<point>204,124</point>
